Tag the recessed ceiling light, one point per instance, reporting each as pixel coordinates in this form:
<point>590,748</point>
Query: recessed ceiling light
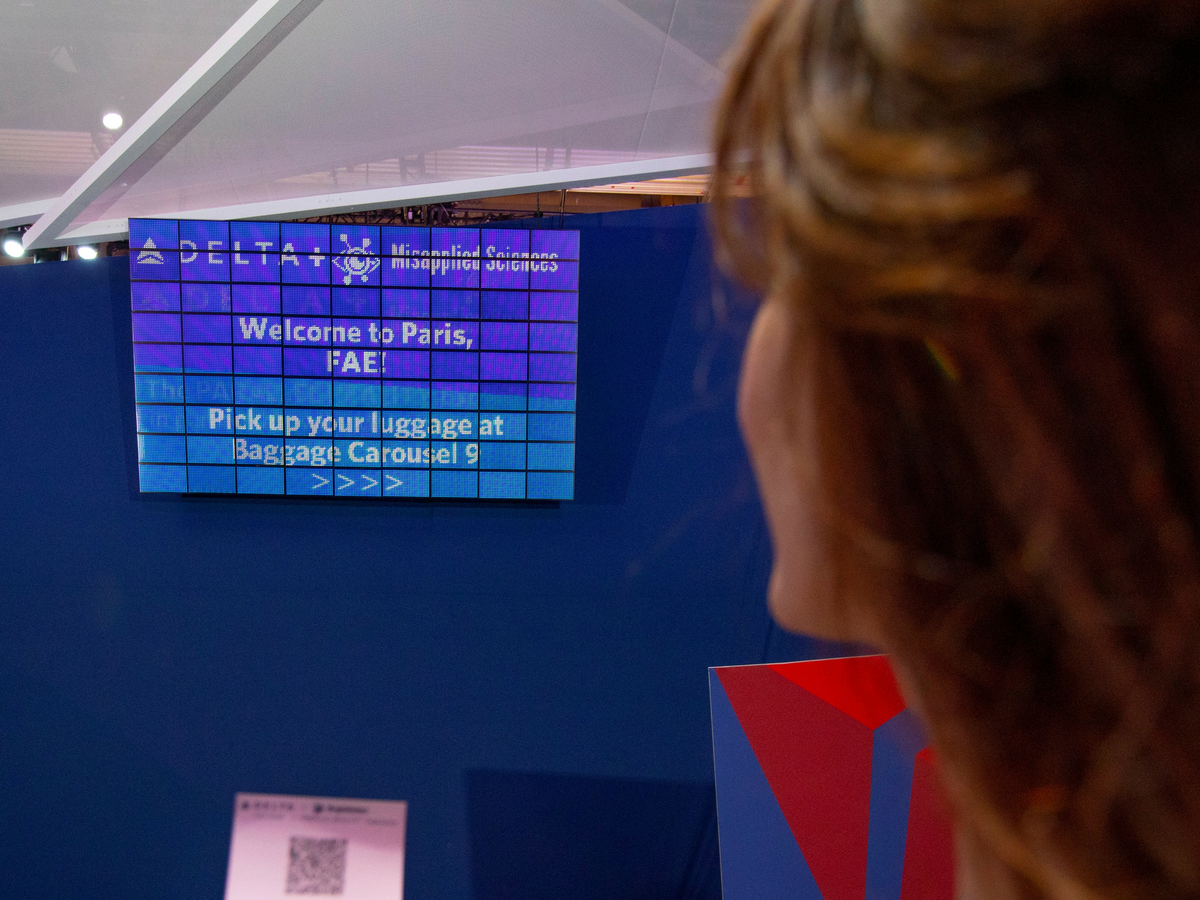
<point>112,120</point>
<point>86,251</point>
<point>13,246</point>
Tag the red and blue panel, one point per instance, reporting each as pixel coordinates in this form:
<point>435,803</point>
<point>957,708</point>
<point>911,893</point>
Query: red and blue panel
<point>825,787</point>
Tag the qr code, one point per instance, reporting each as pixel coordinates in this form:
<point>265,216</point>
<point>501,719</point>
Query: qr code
<point>316,865</point>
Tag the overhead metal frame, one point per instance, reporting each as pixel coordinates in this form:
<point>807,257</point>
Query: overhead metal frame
<point>23,213</point>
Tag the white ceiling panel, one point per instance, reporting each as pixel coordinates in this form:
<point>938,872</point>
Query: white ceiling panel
<point>173,115</point>
<point>376,103</point>
<point>64,63</point>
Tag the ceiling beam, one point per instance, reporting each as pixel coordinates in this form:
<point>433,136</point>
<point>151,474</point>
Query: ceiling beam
<point>23,213</point>
<point>176,112</point>
<point>420,194</point>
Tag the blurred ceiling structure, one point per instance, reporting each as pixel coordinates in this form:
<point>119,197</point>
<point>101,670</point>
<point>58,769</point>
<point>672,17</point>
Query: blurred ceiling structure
<point>290,108</point>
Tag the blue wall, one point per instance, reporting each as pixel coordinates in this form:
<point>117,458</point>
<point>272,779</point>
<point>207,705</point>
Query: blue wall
<point>159,654</point>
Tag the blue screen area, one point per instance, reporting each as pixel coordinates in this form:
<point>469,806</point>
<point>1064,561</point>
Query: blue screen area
<point>354,360</point>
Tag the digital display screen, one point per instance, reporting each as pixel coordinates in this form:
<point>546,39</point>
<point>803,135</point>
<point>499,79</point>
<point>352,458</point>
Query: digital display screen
<point>354,360</point>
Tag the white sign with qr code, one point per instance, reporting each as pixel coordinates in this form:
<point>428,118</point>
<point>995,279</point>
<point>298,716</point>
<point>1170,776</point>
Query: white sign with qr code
<point>306,848</point>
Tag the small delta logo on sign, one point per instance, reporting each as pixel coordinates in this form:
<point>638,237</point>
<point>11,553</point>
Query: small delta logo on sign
<point>150,255</point>
<point>826,789</point>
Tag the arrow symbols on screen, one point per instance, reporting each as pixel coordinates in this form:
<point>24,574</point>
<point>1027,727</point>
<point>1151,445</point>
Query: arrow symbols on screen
<point>349,481</point>
<point>318,481</point>
<point>393,481</point>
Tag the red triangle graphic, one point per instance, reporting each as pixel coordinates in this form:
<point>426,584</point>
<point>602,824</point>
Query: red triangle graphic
<point>929,847</point>
<point>860,686</point>
<point>818,763</point>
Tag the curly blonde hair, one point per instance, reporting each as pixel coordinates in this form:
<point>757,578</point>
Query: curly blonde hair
<point>989,214</point>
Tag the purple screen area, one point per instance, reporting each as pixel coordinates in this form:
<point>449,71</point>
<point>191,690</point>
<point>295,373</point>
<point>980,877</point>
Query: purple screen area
<point>354,361</point>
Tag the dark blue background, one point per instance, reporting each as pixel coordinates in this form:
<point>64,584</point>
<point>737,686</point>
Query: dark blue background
<point>544,662</point>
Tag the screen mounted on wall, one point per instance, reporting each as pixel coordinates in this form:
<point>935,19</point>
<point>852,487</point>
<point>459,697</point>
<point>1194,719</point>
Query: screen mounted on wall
<point>354,360</point>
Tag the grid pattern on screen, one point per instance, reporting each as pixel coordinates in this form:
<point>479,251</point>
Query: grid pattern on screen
<point>353,360</point>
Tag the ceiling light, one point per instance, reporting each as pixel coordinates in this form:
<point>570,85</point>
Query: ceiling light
<point>86,251</point>
<point>13,246</point>
<point>112,120</point>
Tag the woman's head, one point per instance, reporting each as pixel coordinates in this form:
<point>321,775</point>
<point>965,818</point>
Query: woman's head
<point>971,394</point>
